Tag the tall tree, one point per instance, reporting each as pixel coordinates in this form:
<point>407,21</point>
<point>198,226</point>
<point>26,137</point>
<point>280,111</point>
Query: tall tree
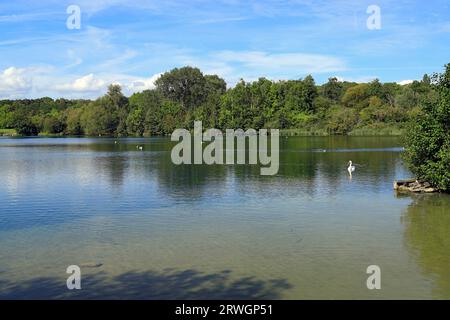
<point>186,86</point>
<point>428,137</point>
<point>118,105</point>
<point>333,89</point>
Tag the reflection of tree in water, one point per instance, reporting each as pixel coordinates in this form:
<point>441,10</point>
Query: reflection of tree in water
<point>169,284</point>
<point>427,233</point>
<point>114,167</point>
<point>302,163</point>
<point>310,164</point>
<point>194,181</point>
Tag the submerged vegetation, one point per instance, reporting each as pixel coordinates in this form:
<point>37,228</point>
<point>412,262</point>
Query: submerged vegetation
<point>297,107</point>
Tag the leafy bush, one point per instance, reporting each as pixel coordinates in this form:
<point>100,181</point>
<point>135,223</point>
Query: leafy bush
<point>342,120</point>
<point>428,137</point>
<point>25,127</point>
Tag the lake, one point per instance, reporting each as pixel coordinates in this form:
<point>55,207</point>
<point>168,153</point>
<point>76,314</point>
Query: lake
<point>141,227</point>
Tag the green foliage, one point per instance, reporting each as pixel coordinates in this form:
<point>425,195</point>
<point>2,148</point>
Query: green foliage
<point>428,137</point>
<point>73,121</point>
<point>98,119</point>
<point>53,123</point>
<point>24,125</point>
<point>135,122</point>
<point>8,132</point>
<point>215,85</point>
<point>357,97</point>
<point>377,129</point>
<point>342,120</point>
<point>184,95</point>
<point>186,86</point>
<point>300,95</point>
<point>333,89</point>
<point>6,117</point>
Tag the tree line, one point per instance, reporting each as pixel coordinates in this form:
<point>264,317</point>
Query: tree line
<point>183,95</point>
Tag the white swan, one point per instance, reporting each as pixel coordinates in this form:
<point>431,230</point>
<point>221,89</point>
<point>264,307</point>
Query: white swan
<point>351,167</point>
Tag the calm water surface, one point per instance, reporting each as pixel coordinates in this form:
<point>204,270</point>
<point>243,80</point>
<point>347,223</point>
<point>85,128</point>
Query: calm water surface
<point>162,231</point>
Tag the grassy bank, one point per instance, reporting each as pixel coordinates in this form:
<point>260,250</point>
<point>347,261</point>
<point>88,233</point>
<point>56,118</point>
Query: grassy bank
<point>379,129</point>
<point>8,132</point>
<point>365,131</point>
<point>303,132</point>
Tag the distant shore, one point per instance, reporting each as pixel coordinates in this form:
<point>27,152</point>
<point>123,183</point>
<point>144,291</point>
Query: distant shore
<point>283,132</point>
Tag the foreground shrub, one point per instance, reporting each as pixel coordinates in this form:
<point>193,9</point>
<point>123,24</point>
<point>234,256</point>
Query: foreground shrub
<point>427,140</point>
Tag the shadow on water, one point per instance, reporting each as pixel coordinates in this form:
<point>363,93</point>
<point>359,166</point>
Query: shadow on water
<point>427,235</point>
<point>151,285</point>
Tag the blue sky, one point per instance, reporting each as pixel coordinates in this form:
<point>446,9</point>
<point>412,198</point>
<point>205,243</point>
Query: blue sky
<point>132,42</point>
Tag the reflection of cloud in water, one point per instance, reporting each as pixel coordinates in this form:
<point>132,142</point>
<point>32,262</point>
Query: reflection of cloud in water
<point>12,178</point>
<point>135,210</point>
<point>87,176</point>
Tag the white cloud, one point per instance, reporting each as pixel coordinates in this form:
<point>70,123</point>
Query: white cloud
<point>15,81</point>
<point>340,79</point>
<point>300,62</point>
<point>358,79</point>
<point>40,81</point>
<point>405,82</point>
<point>72,56</point>
<point>95,85</point>
<point>87,83</point>
<point>118,61</point>
<point>250,65</point>
<point>221,20</point>
<point>138,85</point>
<point>26,17</point>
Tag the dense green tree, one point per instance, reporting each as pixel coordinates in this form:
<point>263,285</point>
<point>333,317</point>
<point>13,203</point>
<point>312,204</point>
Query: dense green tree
<point>237,106</point>
<point>357,96</point>
<point>389,92</point>
<point>146,100</point>
<point>24,125</point>
<point>332,90</point>
<point>117,104</point>
<point>428,137</point>
<point>135,122</point>
<point>341,120</point>
<point>309,93</point>
<point>186,86</point>
<point>184,95</point>
<point>172,116</point>
<point>52,124</point>
<point>407,98</point>
<point>97,119</point>
<point>214,85</point>
<point>73,121</point>
<point>115,97</point>
<point>6,116</point>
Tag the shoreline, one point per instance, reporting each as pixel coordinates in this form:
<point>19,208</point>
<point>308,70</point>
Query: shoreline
<point>11,133</point>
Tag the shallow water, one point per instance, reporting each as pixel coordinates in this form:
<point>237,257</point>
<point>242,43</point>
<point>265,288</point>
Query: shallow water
<point>162,231</point>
